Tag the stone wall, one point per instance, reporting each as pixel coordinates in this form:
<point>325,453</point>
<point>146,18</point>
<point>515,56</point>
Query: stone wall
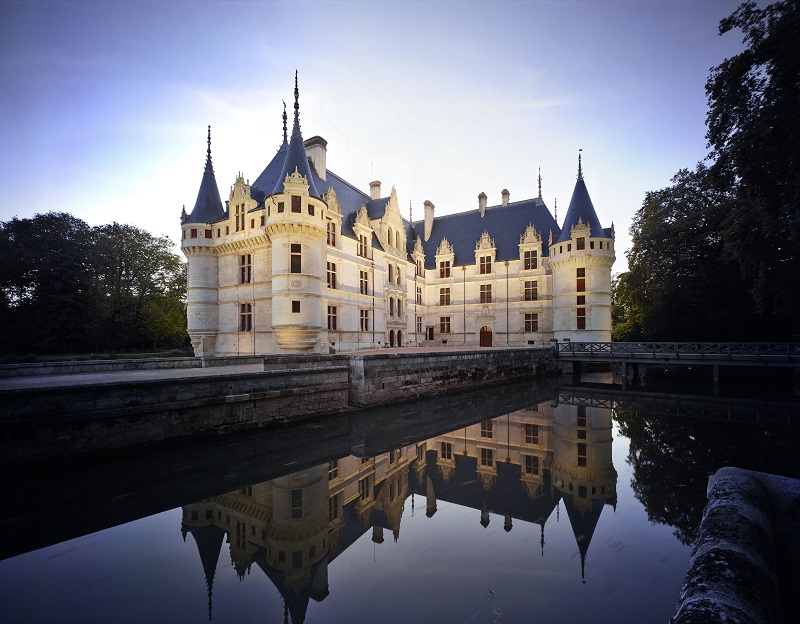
<point>734,575</point>
<point>62,422</point>
<point>377,379</point>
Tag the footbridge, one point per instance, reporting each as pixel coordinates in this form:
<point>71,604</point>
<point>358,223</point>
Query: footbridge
<point>713,354</point>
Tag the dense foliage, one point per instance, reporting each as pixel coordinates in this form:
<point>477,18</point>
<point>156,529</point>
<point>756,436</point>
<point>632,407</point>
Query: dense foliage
<point>67,288</point>
<point>716,256</point>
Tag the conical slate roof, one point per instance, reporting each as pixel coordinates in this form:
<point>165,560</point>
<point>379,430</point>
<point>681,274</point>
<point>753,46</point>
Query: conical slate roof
<point>296,157</point>
<point>269,177</point>
<point>580,209</point>
<point>208,207</point>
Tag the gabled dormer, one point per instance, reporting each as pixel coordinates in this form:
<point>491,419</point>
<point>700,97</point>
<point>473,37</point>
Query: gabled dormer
<point>363,231</point>
<point>485,254</point>
<point>445,259</point>
<point>418,256</point>
<point>530,249</point>
<point>333,218</point>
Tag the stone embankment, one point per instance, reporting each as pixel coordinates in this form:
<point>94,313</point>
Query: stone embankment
<point>93,409</point>
<point>746,563</point>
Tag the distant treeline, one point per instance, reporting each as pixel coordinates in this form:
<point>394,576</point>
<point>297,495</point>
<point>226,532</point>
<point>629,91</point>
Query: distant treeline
<point>716,256</point>
<point>66,287</point>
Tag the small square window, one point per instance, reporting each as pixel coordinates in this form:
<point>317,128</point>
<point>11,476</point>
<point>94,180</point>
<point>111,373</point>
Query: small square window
<point>295,307</point>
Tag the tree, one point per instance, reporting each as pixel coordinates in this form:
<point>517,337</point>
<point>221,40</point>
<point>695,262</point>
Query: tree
<point>46,283</point>
<point>754,133</point>
<point>66,287</point>
<point>681,286</point>
<point>716,256</point>
<point>142,284</point>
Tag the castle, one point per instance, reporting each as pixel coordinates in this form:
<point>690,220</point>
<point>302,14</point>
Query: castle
<point>303,261</point>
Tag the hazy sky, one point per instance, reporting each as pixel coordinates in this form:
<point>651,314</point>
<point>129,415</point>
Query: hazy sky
<point>104,104</point>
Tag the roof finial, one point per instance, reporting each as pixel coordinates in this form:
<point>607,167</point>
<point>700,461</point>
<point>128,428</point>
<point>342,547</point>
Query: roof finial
<point>555,209</point>
<point>540,183</point>
<point>209,166</point>
<point>296,127</point>
<point>580,170</point>
<point>410,213</point>
<point>284,121</point>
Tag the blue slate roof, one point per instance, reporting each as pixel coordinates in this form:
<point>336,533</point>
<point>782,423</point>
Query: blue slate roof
<point>208,207</point>
<point>505,224</point>
<point>581,208</point>
<point>269,177</point>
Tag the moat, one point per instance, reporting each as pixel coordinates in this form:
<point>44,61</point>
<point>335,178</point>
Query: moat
<point>565,504</point>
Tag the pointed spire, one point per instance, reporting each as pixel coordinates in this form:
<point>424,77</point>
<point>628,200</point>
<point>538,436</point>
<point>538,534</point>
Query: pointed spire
<point>555,209</point>
<point>285,136</point>
<point>209,166</point>
<point>540,184</point>
<point>580,170</point>
<point>296,157</point>
<point>296,127</point>
<point>208,207</point>
<point>410,215</point>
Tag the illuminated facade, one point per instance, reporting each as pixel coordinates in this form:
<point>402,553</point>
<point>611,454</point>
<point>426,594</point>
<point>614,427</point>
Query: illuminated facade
<point>302,261</point>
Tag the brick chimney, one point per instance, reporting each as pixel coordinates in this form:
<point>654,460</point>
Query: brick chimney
<point>505,195</point>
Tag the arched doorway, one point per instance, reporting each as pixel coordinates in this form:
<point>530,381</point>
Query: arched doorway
<point>399,338</point>
<point>486,336</point>
<point>391,338</point>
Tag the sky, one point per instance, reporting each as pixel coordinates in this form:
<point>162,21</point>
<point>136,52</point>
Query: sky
<point>104,105</point>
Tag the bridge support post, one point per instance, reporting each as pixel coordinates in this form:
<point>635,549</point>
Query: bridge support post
<point>576,372</point>
<point>715,378</point>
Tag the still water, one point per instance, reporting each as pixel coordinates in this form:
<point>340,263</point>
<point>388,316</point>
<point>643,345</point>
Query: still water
<point>519,504</point>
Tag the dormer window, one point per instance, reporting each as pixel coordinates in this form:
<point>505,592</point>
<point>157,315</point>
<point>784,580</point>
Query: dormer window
<point>296,204</point>
<point>486,264</point>
<point>530,259</point>
<point>444,268</point>
<point>580,243</point>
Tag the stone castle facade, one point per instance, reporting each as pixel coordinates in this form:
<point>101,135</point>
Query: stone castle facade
<point>303,261</point>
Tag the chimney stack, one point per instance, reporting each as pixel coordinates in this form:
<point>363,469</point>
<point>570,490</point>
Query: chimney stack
<point>482,203</point>
<point>505,194</point>
<point>428,218</point>
<point>375,189</point>
<point>317,150</point>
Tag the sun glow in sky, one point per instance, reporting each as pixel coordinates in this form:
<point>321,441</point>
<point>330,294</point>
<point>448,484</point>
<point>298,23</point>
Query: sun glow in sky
<point>104,104</point>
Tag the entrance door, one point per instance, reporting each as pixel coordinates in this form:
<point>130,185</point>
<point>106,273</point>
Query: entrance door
<point>429,332</point>
<point>486,337</point>
<point>399,338</point>
<point>391,338</point>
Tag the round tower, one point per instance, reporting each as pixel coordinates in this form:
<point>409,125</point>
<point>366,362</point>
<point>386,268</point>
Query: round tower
<point>295,224</point>
<point>581,259</point>
<point>202,265</point>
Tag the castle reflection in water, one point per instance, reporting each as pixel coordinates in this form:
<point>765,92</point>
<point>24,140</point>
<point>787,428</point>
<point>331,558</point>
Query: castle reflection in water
<point>522,467</point>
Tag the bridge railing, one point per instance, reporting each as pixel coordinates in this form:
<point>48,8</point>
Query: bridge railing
<point>680,350</point>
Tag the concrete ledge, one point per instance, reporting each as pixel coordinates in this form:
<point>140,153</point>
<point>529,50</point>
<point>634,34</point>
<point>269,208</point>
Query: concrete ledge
<point>38,369</point>
<point>734,575</point>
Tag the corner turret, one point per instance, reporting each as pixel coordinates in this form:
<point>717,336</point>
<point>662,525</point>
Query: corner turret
<point>581,258</point>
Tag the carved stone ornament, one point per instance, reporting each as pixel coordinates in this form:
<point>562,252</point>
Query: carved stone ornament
<point>445,248</point>
<point>579,226</point>
<point>392,203</point>
<point>331,200</point>
<point>530,235</point>
<point>295,178</point>
<point>418,247</point>
<point>362,218</point>
<point>484,242</point>
<point>486,313</point>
